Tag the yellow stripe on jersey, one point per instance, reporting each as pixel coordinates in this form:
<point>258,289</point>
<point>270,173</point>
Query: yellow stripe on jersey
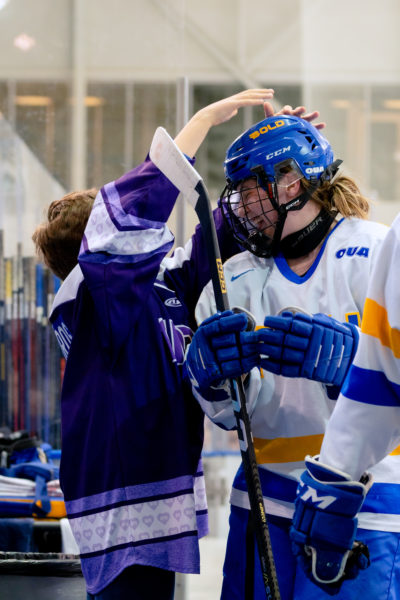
<point>283,450</point>
<point>375,322</point>
<point>295,449</point>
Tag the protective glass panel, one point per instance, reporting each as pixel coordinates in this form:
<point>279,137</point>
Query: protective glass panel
<point>79,106</point>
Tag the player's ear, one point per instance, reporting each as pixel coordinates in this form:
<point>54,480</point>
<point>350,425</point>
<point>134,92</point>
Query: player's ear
<point>293,190</point>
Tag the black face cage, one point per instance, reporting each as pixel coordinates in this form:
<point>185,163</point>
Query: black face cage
<point>255,227</point>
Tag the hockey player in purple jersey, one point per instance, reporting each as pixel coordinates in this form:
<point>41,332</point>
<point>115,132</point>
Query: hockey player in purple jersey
<point>131,432</point>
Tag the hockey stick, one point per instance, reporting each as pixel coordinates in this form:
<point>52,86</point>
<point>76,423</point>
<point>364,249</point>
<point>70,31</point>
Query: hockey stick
<point>40,355</point>
<point>3,377</point>
<point>172,163</point>
<point>8,340</point>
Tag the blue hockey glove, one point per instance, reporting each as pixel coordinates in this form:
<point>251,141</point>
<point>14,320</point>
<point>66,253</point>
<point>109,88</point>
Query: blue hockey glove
<point>325,523</point>
<point>316,347</point>
<point>221,349</point>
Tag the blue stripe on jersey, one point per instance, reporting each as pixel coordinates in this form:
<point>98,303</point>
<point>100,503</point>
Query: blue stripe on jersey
<point>273,485</point>
<point>382,497</point>
<point>371,387</point>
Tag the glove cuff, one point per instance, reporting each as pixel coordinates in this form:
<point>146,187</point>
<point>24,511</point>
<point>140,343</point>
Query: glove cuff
<point>336,574</point>
<point>327,474</point>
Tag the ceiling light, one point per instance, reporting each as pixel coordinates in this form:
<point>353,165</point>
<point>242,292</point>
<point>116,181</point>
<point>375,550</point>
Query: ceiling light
<point>24,42</point>
<point>94,101</point>
<point>392,104</point>
<point>339,103</point>
<point>33,101</point>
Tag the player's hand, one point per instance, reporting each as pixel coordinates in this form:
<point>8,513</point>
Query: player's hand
<point>325,524</point>
<point>190,138</point>
<point>221,349</point>
<point>299,111</point>
<point>313,346</point>
<point>225,109</point>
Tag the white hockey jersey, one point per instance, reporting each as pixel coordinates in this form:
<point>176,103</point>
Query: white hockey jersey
<point>365,426</point>
<point>289,415</point>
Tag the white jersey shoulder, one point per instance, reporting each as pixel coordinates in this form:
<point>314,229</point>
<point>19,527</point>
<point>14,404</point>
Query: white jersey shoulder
<point>69,288</point>
<point>266,286</point>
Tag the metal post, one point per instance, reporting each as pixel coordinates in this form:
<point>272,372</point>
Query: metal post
<point>182,117</point>
<point>129,126</point>
<point>79,85</point>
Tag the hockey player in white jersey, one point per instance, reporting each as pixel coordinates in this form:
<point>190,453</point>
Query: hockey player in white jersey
<point>309,246</point>
<point>363,430</point>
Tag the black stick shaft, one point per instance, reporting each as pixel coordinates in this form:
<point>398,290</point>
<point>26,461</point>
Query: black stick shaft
<point>257,512</point>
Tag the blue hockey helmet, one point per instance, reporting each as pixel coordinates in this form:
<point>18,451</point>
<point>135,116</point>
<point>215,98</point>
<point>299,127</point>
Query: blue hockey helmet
<point>266,152</point>
<point>276,139</point>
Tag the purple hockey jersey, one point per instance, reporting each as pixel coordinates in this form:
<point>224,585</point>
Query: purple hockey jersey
<point>131,432</point>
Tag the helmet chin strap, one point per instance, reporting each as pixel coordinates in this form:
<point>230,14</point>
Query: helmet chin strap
<point>307,239</point>
<point>263,245</point>
<point>282,210</point>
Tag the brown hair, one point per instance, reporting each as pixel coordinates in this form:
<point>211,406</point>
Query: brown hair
<point>341,194</point>
<point>58,240</point>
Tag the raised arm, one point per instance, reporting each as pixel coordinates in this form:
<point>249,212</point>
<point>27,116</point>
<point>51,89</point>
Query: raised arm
<point>127,236</point>
<point>190,138</point>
